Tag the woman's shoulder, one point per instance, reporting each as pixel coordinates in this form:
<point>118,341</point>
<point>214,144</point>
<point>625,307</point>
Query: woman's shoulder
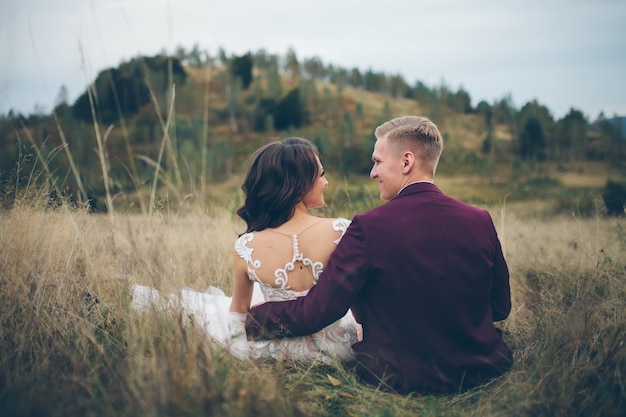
<point>242,249</point>
<point>337,226</point>
<point>332,221</point>
<point>340,224</point>
<point>329,224</point>
<point>244,238</point>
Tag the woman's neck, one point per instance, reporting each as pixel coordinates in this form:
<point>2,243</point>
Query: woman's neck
<point>300,212</point>
<point>301,218</point>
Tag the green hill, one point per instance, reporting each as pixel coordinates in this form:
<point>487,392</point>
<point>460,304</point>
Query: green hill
<point>198,120</point>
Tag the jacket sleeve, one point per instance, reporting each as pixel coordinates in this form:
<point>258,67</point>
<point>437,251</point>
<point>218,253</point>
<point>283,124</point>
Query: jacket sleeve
<point>501,290</point>
<point>328,301</point>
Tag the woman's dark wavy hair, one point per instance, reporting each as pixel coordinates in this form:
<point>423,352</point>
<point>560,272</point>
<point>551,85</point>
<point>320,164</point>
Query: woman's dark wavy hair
<point>279,176</point>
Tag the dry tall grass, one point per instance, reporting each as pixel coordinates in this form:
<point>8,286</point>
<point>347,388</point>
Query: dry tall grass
<point>71,345</point>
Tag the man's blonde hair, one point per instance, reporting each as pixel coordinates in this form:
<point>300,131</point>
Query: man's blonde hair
<point>414,133</point>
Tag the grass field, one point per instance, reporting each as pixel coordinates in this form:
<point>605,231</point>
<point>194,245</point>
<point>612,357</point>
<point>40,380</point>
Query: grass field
<point>71,344</point>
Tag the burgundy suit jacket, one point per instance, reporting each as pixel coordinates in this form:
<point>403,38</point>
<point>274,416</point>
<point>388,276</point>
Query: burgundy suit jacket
<point>425,276</point>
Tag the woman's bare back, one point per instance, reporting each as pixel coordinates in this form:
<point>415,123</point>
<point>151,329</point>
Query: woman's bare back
<point>292,256</point>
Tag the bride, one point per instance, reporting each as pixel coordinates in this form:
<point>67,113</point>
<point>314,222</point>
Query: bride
<point>279,257</point>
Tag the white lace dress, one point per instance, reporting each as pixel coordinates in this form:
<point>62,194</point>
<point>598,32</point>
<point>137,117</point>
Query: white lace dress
<point>210,311</point>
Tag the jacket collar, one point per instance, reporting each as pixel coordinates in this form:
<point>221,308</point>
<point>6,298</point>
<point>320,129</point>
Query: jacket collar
<point>418,187</point>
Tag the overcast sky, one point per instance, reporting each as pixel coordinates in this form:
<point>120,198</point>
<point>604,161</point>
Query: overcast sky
<point>564,53</point>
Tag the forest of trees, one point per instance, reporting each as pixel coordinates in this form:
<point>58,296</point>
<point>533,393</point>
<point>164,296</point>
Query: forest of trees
<point>202,115</point>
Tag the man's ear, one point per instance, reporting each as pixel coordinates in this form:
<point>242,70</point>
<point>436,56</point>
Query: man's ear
<point>408,162</point>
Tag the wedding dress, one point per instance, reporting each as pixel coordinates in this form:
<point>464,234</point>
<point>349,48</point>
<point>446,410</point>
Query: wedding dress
<point>210,310</point>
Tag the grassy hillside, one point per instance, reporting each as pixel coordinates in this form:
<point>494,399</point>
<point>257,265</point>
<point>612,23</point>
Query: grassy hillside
<point>200,128</point>
<point>71,344</point>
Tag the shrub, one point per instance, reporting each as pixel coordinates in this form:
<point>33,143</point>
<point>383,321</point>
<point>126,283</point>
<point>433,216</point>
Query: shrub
<point>614,197</point>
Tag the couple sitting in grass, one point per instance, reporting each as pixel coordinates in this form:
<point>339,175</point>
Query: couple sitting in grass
<point>408,292</point>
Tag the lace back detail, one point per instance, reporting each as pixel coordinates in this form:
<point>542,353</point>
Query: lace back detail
<point>281,275</point>
<point>282,290</point>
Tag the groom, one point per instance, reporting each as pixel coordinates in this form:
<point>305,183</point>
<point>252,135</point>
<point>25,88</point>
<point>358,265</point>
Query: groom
<point>424,274</point>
